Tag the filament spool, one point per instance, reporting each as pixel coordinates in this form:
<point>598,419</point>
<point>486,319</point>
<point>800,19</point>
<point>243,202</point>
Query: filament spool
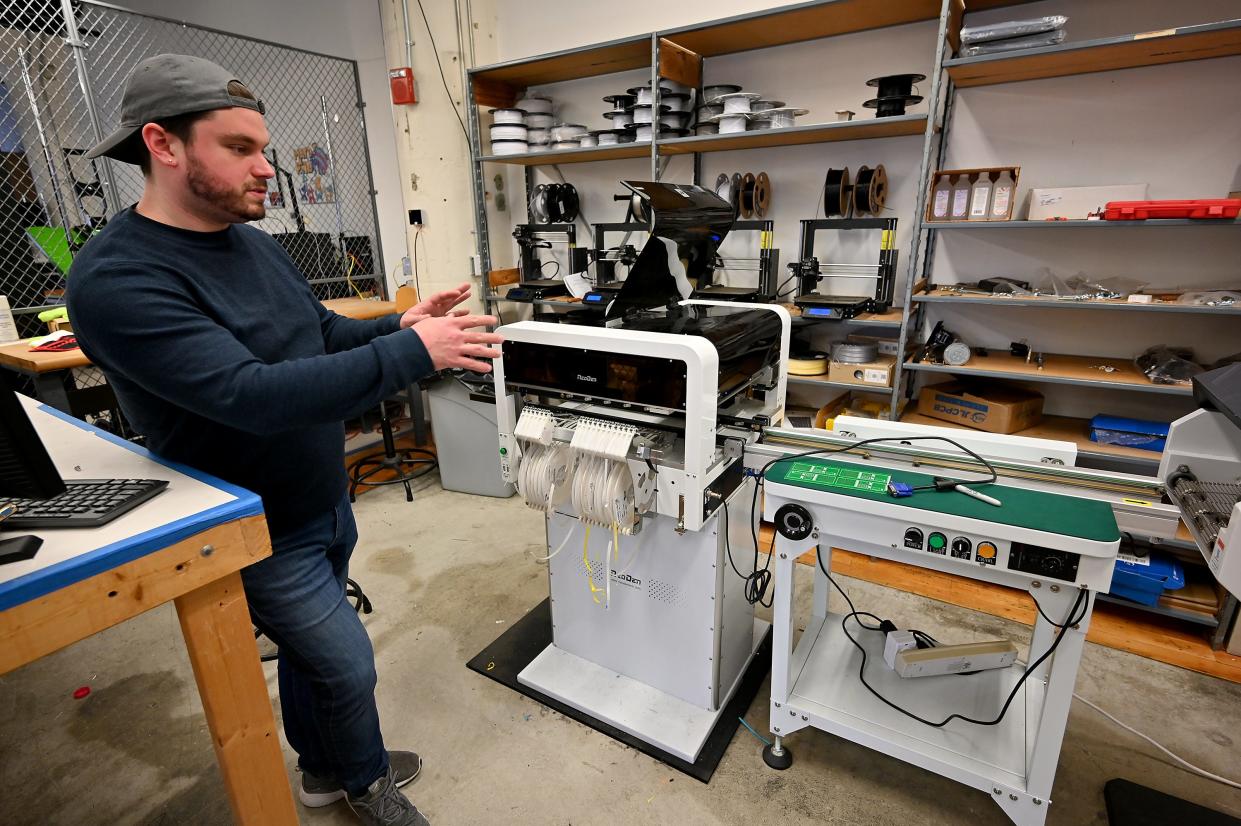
<point>895,93</point>
<point>812,363</point>
<point>762,195</point>
<point>748,182</point>
<point>847,353</point>
<point>837,194</point>
<point>870,192</point>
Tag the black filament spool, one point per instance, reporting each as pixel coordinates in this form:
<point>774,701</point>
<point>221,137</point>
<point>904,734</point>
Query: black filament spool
<point>836,193</point>
<point>870,192</point>
<point>747,195</point>
<point>895,93</point>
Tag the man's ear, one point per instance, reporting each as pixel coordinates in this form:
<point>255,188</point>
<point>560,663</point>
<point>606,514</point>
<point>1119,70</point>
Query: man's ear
<point>165,148</point>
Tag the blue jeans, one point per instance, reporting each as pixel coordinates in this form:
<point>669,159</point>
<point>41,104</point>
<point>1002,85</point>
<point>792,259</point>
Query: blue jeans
<point>326,665</point>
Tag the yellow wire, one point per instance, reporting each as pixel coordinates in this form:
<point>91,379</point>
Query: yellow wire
<point>590,575</point>
<point>349,272</point>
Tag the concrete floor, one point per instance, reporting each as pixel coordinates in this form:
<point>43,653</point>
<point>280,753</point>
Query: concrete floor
<point>447,574</point>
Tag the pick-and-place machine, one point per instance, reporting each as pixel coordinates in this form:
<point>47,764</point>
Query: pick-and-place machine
<point>643,440</point>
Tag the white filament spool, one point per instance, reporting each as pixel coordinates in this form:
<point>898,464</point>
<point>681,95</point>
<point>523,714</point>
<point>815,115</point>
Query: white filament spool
<point>508,116</point>
<point>538,137</point>
<point>676,120</point>
<point>730,124</point>
<point>676,87</point>
<point>587,140</point>
<point>619,119</point>
<point>568,131</point>
<point>707,129</point>
<point>676,102</point>
<point>573,144</point>
<point>535,105</point>
<point>783,117</point>
<point>509,132</point>
<point>539,121</point>
<point>643,93</point>
<point>711,93</point>
<point>737,102</point>
<point>642,132</point>
<point>509,147</point>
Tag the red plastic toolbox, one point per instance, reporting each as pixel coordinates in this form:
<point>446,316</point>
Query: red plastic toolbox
<point>1197,208</point>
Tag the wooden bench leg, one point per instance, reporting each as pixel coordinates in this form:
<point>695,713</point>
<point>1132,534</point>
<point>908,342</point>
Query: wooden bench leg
<point>220,640</point>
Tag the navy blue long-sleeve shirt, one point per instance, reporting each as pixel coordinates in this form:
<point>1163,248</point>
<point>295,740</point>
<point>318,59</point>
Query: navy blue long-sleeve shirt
<point>222,357</point>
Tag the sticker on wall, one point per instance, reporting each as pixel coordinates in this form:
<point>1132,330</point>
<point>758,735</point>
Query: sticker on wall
<point>314,166</point>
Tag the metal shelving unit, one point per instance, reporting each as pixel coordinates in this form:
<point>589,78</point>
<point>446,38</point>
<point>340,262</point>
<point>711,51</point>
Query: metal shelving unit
<point>1178,45</point>
<point>941,296</point>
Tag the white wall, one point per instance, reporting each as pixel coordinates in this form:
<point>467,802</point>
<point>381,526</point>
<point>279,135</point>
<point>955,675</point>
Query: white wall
<point>343,28</point>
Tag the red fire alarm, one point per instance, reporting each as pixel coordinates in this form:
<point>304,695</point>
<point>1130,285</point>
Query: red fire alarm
<point>402,81</point>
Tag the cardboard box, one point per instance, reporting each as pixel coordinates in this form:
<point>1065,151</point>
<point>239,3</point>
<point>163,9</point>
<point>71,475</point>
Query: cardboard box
<point>993,408</point>
<point>1075,203</point>
<point>877,373</point>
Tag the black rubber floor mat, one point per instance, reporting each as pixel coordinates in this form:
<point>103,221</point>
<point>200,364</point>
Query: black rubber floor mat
<point>1129,804</point>
<point>513,650</point>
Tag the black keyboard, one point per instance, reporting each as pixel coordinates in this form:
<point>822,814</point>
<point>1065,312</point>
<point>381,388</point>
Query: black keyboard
<point>86,503</point>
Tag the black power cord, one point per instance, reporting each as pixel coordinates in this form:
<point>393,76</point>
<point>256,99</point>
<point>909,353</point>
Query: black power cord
<point>1074,619</point>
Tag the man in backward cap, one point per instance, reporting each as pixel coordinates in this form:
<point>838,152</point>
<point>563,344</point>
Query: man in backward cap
<point>223,359</point>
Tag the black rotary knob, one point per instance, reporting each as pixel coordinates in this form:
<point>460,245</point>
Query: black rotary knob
<point>793,521</point>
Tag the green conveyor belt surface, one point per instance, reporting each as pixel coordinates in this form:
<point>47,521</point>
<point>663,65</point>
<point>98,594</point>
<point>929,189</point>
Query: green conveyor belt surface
<point>1022,508</point>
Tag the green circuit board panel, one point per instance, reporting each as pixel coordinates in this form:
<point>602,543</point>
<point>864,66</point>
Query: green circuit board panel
<point>821,475</point>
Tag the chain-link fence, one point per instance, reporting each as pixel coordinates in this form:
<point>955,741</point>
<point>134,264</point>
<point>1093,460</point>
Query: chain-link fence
<point>63,64</point>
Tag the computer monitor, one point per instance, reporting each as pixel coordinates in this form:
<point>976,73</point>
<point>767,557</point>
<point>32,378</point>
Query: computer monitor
<point>26,470</point>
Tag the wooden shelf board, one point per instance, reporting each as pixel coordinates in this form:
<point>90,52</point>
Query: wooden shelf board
<point>1058,369</point>
<point>798,135</point>
<point>571,64</point>
<point>1114,626</point>
<point>558,156</point>
<point>822,381</point>
<point>1105,54</point>
<point>1060,428</point>
<point>1044,302</point>
<point>795,24</point>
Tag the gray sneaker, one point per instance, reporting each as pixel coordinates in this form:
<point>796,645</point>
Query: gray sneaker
<point>318,791</point>
<point>384,805</point>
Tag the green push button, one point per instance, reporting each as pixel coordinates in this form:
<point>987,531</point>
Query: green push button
<point>936,542</point>
<point>504,451</point>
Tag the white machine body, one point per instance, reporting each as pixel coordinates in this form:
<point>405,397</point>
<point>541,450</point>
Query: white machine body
<point>651,631</point>
<point>1204,447</point>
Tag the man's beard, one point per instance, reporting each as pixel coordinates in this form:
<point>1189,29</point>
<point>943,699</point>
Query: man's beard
<point>232,205</point>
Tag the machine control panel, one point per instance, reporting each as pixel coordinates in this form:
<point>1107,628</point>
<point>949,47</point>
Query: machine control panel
<point>980,551</point>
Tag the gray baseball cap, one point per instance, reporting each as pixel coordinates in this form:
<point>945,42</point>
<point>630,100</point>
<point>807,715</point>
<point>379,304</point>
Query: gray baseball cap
<point>165,86</point>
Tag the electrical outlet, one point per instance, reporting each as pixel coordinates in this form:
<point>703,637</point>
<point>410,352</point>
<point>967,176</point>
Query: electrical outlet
<point>406,267</point>
<point>415,217</point>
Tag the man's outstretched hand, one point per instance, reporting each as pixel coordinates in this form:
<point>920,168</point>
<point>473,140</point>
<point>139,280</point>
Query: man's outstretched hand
<point>440,304</point>
<point>451,341</point>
